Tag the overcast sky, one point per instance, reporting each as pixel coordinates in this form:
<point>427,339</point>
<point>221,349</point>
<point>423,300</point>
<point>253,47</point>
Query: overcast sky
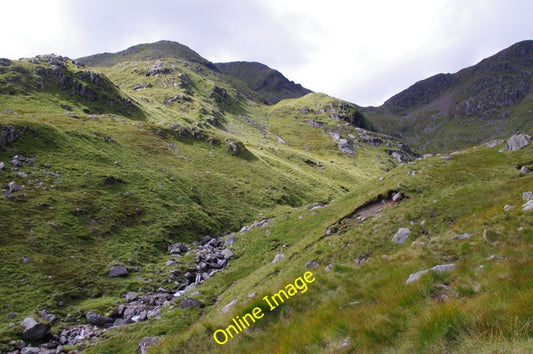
<point>360,51</point>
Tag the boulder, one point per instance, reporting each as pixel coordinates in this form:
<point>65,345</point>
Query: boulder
<point>528,206</point>
<point>229,306</point>
<point>397,197</point>
<point>401,236</point>
<point>34,330</point>
<point>518,141</point>
<point>278,257</point>
<point>96,319</point>
<point>527,196</point>
<point>8,134</point>
<point>227,253</point>
<point>230,240</point>
<point>188,302</point>
<point>131,296</point>
<point>145,343</point>
<point>177,248</point>
<point>461,237</point>
<point>118,271</point>
<point>441,268</point>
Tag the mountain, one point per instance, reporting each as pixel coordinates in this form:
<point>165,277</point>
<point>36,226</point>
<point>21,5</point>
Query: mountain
<point>271,84</point>
<point>445,112</point>
<point>151,198</point>
<point>145,52</point>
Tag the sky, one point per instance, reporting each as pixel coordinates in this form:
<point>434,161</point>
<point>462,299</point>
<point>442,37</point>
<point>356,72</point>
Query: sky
<point>360,51</point>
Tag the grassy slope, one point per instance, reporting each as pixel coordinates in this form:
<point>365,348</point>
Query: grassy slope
<point>368,307</point>
<point>181,188</point>
<point>168,186</point>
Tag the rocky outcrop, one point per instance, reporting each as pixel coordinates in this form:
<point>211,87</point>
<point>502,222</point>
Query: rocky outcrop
<point>518,141</point>
<point>441,268</point>
<point>421,92</point>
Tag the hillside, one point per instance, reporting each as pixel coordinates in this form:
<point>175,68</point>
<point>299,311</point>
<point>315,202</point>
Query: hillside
<point>271,84</point>
<point>489,100</point>
<point>153,202</point>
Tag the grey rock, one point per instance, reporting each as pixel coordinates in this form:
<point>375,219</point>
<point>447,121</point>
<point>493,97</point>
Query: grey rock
<point>145,343</point>
<point>401,236</point>
<point>14,187</point>
<point>461,237</point>
<point>34,330</point>
<point>11,315</point>
<point>118,271</point>
<point>346,146</point>
<point>31,350</point>
<point>17,161</point>
<point>523,169</point>
<point>528,206</point>
<point>2,165</point>
<point>441,268</point>
<point>154,313</point>
<point>227,253</point>
<point>177,248</point>
<point>25,259</point>
<point>311,264</point>
<point>131,296</point>
<point>8,134</point>
<point>230,240</point>
<point>46,316</point>
<point>507,207</point>
<point>229,306</point>
<point>188,302</point>
<point>278,257</point>
<point>397,197</point>
<point>234,148</point>
<point>518,141</point>
<point>96,319</point>
<point>494,143</point>
<point>527,196</point>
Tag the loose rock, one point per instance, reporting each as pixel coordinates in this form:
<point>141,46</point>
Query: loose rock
<point>461,237</point>
<point>118,271</point>
<point>401,236</point>
<point>437,269</point>
<point>278,257</point>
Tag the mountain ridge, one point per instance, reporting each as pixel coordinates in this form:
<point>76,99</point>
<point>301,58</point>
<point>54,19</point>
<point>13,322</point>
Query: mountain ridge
<point>491,99</point>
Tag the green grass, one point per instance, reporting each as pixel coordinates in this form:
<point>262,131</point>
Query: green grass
<point>118,190</point>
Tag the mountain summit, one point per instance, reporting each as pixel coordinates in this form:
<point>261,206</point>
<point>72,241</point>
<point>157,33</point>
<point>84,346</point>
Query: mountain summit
<point>269,84</point>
